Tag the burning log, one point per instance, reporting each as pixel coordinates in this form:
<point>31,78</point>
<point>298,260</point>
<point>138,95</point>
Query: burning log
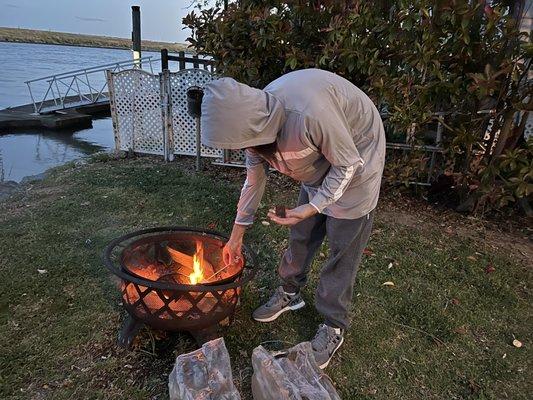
<point>199,268</point>
<point>203,374</point>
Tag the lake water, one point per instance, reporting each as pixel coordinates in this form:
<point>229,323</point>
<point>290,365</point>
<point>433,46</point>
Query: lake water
<point>31,152</point>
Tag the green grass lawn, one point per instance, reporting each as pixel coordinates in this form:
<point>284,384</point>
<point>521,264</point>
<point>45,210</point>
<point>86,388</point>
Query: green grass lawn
<point>443,331</point>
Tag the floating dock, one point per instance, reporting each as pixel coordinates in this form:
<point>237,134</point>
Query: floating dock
<point>23,117</point>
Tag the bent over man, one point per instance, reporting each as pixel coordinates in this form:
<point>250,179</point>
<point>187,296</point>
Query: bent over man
<point>323,131</point>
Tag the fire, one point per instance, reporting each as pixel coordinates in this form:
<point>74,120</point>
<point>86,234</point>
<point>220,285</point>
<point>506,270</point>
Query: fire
<point>194,269</point>
<point>197,274</point>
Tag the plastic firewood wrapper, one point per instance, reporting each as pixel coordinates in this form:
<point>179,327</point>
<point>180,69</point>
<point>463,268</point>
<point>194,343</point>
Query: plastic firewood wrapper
<point>204,374</point>
<point>292,376</point>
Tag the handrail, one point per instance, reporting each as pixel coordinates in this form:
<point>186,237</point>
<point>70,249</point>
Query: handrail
<point>96,68</point>
<point>54,99</point>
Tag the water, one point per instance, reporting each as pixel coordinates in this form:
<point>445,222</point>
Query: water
<point>31,152</point>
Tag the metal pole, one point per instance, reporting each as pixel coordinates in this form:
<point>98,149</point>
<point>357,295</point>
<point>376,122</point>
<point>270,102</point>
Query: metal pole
<point>136,34</point>
<point>181,62</point>
<point>32,99</point>
<point>164,59</point>
<point>198,145</point>
<point>438,141</point>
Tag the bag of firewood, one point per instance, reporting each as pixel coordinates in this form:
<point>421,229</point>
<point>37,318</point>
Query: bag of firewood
<point>290,375</point>
<point>204,374</point>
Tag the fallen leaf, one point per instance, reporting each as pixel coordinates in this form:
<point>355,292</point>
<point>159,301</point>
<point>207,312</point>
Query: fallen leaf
<point>517,343</point>
<point>265,223</point>
<point>471,258</point>
<point>390,265</point>
<point>42,271</point>
<point>461,330</point>
<point>388,283</point>
<point>456,302</point>
<point>368,251</point>
<point>489,269</point>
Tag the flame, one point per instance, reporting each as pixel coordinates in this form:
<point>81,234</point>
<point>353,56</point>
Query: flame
<point>197,274</point>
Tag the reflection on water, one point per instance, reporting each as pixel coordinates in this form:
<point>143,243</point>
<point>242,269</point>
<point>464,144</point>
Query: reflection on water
<point>31,153</point>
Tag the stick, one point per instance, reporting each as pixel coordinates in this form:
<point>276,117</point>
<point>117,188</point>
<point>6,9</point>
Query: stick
<point>219,271</point>
<point>440,341</point>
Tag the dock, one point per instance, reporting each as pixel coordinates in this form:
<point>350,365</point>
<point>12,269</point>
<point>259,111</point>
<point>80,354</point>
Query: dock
<point>69,100</point>
<point>24,117</point>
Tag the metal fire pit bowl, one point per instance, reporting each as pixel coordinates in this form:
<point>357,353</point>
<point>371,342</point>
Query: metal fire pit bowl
<point>156,293</point>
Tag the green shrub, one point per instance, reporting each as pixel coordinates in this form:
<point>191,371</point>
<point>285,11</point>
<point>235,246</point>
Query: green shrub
<point>457,61</point>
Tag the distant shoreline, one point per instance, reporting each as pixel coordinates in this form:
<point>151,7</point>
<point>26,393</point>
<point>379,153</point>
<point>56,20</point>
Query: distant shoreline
<point>16,35</point>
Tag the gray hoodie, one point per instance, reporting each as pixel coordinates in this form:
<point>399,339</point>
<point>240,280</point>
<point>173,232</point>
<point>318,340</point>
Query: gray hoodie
<point>329,133</point>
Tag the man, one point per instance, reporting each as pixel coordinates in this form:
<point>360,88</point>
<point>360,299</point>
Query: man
<point>323,131</point>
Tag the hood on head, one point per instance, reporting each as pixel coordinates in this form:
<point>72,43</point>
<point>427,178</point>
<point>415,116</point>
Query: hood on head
<point>236,116</point>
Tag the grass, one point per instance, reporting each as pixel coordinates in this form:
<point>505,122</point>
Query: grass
<point>443,331</point>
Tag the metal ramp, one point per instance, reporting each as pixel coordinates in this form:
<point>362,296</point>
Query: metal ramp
<point>78,88</point>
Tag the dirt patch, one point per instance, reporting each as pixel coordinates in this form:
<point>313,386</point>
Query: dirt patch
<point>512,237</point>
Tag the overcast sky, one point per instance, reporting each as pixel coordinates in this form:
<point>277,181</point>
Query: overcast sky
<point>160,19</point>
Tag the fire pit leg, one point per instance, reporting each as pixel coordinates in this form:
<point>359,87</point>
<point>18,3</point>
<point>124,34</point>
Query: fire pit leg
<point>129,330</point>
<point>203,336</point>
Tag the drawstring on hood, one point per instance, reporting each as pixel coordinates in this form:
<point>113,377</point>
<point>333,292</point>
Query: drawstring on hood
<point>236,116</point>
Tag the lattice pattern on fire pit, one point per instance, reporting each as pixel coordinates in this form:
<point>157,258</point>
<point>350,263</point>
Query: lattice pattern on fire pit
<point>153,292</point>
<point>193,310</point>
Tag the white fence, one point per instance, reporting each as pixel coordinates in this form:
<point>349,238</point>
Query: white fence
<point>150,115</point>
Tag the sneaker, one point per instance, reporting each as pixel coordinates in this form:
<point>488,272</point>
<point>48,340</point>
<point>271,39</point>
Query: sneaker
<point>325,343</point>
<point>277,305</point>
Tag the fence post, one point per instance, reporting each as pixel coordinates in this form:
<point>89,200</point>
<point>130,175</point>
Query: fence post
<point>113,108</point>
<point>164,59</point>
<point>182,61</point>
<point>166,105</point>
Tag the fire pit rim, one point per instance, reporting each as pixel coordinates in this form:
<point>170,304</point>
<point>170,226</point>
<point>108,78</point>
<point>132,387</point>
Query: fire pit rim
<point>239,282</point>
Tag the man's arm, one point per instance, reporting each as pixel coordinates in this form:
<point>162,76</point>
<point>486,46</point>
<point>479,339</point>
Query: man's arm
<point>335,142</point>
<point>253,188</point>
<point>251,194</point>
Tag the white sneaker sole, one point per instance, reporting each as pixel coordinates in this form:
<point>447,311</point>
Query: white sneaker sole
<point>276,315</point>
<point>332,354</point>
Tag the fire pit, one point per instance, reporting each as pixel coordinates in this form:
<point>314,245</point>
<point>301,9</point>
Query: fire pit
<point>174,279</point>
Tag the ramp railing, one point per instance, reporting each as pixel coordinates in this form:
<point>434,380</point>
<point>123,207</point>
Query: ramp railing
<point>79,87</point>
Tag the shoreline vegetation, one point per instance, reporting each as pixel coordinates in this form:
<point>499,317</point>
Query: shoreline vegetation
<point>17,35</point>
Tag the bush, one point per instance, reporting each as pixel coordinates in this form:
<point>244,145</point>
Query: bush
<point>455,61</point>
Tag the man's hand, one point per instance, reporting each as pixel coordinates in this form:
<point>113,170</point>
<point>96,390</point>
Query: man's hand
<point>292,217</point>
<point>232,252</point>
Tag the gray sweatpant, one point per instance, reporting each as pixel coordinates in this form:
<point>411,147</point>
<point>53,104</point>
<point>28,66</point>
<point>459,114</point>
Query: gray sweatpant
<point>347,239</point>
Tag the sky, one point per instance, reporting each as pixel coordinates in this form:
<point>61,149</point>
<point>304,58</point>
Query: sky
<point>160,19</point>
